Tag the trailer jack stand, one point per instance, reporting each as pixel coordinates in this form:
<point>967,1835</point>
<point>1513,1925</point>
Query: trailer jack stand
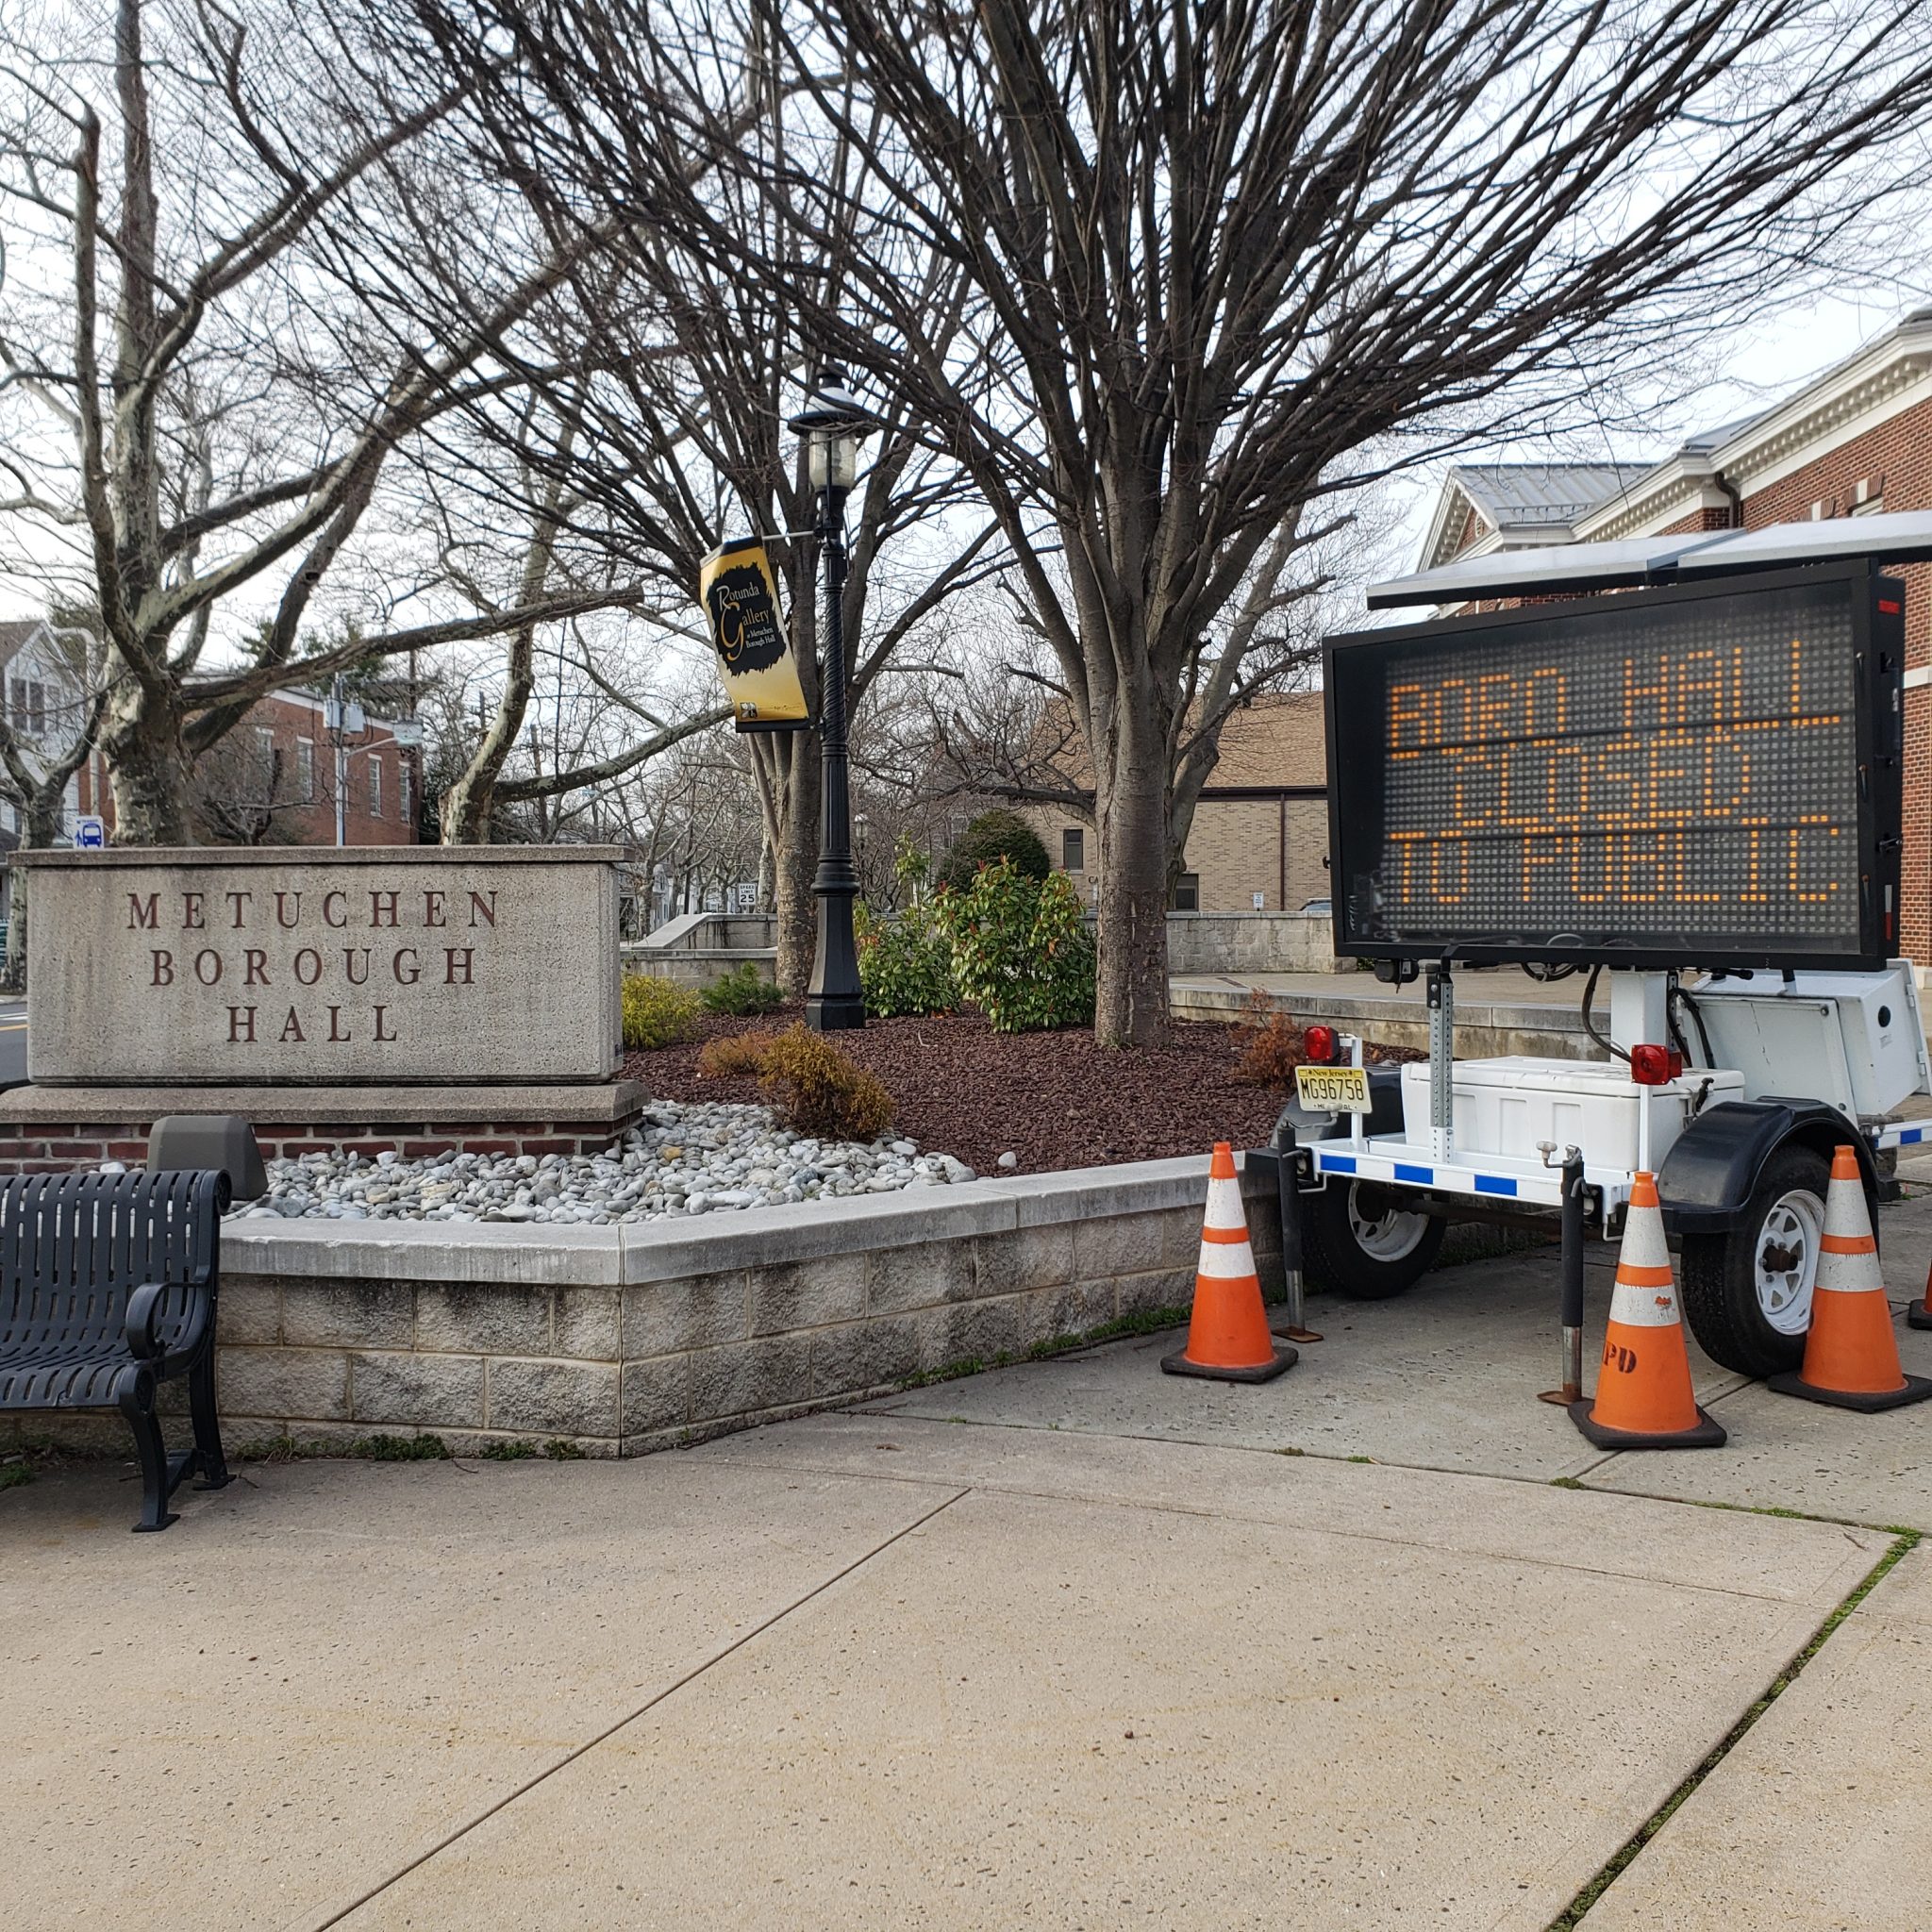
<point>1283,1158</point>
<point>1570,1389</point>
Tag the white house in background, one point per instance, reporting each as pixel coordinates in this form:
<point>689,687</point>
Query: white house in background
<point>43,701</point>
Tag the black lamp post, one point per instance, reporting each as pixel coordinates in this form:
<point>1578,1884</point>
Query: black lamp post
<point>832,422</point>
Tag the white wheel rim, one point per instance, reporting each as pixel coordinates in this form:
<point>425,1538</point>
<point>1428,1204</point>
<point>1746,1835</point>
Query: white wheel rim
<point>1392,1236</point>
<point>1786,1261</point>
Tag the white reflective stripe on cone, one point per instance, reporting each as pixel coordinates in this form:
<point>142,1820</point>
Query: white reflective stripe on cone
<point>1224,1204</point>
<point>1645,1245</point>
<point>1634,1306</point>
<point>1226,1260</point>
<point>1845,1219</point>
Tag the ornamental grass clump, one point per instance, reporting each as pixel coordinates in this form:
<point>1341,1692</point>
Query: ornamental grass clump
<point>819,1090</point>
<point>1268,1046</point>
<point>1022,953</point>
<point>658,1012</point>
<point>732,1055</point>
<point>741,993</point>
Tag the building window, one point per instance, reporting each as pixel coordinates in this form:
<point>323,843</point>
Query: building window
<point>1187,892</point>
<point>1072,850</point>
<point>374,786</point>
<point>406,791</point>
<point>305,767</point>
<point>27,704</point>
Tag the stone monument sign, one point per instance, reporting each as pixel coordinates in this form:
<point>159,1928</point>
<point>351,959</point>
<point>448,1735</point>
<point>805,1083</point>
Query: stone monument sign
<point>374,965</point>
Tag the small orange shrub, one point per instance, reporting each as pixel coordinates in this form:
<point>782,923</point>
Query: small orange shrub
<point>819,1090</point>
<point>1270,1045</point>
<point>734,1053</point>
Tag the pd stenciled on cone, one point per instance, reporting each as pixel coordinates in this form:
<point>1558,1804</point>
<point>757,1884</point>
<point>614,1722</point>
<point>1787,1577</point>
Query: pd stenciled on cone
<point>1228,1340</point>
<point>1851,1350</point>
<point>1644,1399</point>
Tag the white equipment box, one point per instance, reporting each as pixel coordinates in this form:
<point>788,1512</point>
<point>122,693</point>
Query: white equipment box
<point>1506,1106</point>
<point>1854,1038</point>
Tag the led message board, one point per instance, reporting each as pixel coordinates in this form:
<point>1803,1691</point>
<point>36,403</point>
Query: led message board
<point>1700,776</point>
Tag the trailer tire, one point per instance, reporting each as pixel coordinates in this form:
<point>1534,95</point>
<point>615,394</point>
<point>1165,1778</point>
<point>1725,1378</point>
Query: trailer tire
<point>1357,1240</point>
<point>1753,1318</point>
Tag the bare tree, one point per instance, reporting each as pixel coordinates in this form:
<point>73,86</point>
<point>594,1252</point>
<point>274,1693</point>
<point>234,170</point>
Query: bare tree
<point>674,384</point>
<point>212,421</point>
<point>1240,257</point>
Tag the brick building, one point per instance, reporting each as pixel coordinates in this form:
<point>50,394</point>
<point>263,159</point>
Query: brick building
<point>1259,840</point>
<point>1856,440</point>
<point>273,780</point>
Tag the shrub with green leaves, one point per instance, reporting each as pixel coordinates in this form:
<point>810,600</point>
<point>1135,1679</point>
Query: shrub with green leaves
<point>658,1012</point>
<point>1021,952</point>
<point>905,964</point>
<point>742,993</point>
<point>992,836</point>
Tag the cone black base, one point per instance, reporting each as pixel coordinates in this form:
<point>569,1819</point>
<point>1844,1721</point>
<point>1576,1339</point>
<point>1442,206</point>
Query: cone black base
<point>1918,1315</point>
<point>1707,1435</point>
<point>1178,1364</point>
<point>1916,1389</point>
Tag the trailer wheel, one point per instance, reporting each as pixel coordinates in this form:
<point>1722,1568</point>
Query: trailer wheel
<point>1358,1240</point>
<point>1747,1295</point>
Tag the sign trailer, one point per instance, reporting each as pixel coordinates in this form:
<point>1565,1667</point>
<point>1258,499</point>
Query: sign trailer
<point>1693,787</point>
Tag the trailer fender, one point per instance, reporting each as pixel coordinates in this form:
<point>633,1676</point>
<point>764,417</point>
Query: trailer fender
<point>1713,1166</point>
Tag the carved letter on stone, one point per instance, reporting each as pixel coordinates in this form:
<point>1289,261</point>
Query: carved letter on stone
<point>190,911</point>
<point>314,973</point>
<point>142,912</point>
<point>254,966</point>
<point>349,953</point>
<point>380,1033</point>
<point>456,966</point>
<point>240,902</point>
<point>291,1027</point>
<point>432,909</point>
<point>407,976</point>
<point>329,918</point>
<point>382,909</point>
<point>164,967</point>
<point>287,915</point>
<point>242,1025</point>
<point>335,1027</point>
<point>207,966</point>
<point>478,905</point>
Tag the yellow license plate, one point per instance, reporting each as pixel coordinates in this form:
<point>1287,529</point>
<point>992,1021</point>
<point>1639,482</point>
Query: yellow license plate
<point>1332,1089</point>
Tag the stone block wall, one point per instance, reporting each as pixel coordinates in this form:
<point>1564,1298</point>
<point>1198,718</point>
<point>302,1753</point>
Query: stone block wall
<point>625,1340</point>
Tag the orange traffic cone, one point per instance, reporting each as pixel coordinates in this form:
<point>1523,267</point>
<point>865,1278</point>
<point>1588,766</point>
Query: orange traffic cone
<point>1850,1354</point>
<point>1643,1394</point>
<point>1228,1337</point>
<point>1920,1313</point>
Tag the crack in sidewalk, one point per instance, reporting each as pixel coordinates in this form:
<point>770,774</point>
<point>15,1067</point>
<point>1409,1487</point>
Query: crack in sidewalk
<point>1579,1907</point>
<point>489,1811</point>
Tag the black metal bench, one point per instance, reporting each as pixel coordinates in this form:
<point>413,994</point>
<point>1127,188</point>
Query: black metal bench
<point>108,1286</point>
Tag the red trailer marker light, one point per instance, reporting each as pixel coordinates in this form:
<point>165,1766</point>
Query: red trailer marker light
<point>1319,1044</point>
<point>1652,1066</point>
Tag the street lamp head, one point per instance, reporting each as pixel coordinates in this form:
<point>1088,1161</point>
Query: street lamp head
<point>833,423</point>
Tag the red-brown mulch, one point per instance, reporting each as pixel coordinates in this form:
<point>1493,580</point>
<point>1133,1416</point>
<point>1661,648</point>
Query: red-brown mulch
<point>1055,1099</point>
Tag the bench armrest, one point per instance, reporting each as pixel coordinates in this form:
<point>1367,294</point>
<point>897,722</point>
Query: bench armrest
<point>140,1330</point>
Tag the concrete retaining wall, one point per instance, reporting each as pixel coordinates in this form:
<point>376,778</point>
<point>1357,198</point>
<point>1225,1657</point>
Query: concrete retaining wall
<point>1252,943</point>
<point>1483,1027</point>
<point>625,1340</point>
<point>697,948</point>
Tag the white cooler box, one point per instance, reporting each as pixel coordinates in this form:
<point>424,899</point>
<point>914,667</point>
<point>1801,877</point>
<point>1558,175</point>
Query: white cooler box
<point>1507,1105</point>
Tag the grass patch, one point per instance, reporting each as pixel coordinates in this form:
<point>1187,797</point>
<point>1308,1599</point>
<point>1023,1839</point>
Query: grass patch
<point>1580,1906</point>
<point>416,1448</point>
<point>15,1475</point>
<point>508,1452</point>
<point>559,1450</point>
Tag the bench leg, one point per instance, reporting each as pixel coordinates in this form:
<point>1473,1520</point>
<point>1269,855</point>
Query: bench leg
<point>138,1406</point>
<point>208,1428</point>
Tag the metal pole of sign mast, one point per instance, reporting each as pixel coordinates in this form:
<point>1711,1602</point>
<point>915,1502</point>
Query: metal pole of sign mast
<point>342,760</point>
<point>1441,1003</point>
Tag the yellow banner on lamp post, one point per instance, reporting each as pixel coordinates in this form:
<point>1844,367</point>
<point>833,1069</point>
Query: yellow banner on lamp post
<point>739,594</point>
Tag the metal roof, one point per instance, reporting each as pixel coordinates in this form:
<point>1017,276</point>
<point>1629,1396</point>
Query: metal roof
<point>1515,493</point>
<point>1900,537</point>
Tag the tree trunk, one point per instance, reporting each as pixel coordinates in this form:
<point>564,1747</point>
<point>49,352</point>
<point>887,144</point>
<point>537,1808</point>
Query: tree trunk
<point>148,771</point>
<point>1131,1006</point>
<point>787,775</point>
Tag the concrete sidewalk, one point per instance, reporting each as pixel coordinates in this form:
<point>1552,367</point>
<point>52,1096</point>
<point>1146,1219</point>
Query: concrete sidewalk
<point>1073,1644</point>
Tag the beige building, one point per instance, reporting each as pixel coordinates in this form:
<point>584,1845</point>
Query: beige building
<point>1259,840</point>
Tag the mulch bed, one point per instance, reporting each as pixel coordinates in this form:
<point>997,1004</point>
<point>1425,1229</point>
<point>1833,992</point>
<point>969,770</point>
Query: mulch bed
<point>1055,1099</point>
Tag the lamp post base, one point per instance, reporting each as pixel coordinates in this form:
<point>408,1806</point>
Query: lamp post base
<point>831,1012</point>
